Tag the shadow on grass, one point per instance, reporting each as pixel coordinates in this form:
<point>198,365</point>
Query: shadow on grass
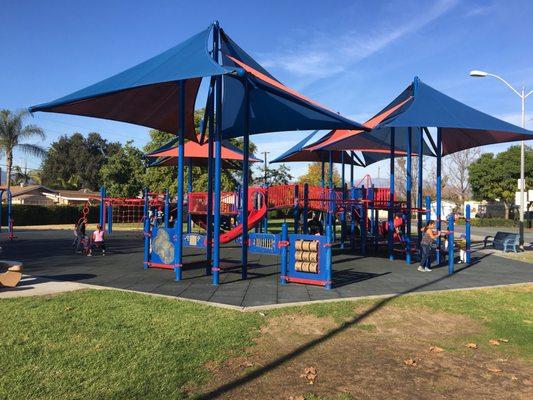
<point>249,377</point>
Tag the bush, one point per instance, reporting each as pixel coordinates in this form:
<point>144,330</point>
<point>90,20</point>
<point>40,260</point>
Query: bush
<point>489,222</point>
<point>49,215</point>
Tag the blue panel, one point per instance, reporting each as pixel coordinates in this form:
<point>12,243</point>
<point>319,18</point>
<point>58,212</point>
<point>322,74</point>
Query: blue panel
<point>195,240</point>
<point>321,275</point>
<point>264,243</point>
<point>162,245</point>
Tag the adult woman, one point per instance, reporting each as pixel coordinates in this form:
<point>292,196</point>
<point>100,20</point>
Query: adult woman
<point>430,234</point>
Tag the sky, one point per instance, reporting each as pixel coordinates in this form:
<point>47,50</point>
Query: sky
<point>353,56</point>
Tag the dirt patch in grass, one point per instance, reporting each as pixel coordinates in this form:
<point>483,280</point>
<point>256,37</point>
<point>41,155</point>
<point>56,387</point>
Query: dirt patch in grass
<point>401,354</point>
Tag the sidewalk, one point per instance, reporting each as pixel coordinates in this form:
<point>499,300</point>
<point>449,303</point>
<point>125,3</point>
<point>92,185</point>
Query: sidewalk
<point>37,286</point>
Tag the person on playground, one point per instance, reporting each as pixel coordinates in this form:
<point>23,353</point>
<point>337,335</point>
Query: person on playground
<point>429,236</point>
<point>97,240</point>
<point>462,249</point>
<point>80,234</point>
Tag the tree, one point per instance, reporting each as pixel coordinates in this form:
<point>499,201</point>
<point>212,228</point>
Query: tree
<point>274,176</point>
<point>20,176</point>
<point>494,177</point>
<point>456,169</point>
<point>157,179</point>
<point>313,176</point>
<point>13,133</point>
<point>74,162</point>
<point>123,172</point>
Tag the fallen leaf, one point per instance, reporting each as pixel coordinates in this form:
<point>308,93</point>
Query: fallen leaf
<point>503,340</point>
<point>471,345</point>
<point>296,398</point>
<point>409,361</point>
<point>494,369</point>
<point>436,349</point>
<point>310,374</point>
<point>514,378</point>
<point>247,364</point>
<point>494,342</point>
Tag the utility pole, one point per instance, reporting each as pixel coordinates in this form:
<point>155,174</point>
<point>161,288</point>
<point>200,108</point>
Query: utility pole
<point>266,168</point>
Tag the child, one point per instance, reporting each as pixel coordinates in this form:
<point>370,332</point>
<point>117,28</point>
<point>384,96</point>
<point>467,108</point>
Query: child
<point>429,235</point>
<point>462,249</point>
<point>97,240</point>
<point>80,234</point>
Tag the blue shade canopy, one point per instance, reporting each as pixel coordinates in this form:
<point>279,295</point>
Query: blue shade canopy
<point>148,93</point>
<point>274,107</point>
<point>462,127</point>
<point>299,152</point>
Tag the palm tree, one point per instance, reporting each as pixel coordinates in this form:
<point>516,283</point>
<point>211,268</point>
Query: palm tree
<point>13,133</point>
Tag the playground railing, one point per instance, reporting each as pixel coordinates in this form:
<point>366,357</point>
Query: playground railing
<point>197,203</point>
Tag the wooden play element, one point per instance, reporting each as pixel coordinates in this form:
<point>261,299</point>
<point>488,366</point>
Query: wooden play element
<point>13,274</point>
<point>306,256</point>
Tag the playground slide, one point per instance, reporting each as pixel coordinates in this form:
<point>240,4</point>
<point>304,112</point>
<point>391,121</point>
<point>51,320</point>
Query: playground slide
<point>254,217</point>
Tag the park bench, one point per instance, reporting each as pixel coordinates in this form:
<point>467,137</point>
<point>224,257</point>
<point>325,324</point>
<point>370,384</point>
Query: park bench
<point>503,241</point>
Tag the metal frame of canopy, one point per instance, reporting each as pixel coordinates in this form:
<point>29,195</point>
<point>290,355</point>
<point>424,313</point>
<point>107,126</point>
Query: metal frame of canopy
<point>458,126</point>
<point>161,93</point>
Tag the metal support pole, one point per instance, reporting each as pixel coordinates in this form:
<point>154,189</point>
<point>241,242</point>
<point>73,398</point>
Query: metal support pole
<point>146,231</point>
<point>451,258</point>
<point>409,185</point>
<point>428,209</point>
<point>467,234</point>
<point>331,194</point>
<point>343,193</point>
<point>328,258</point>
<point>102,207</point>
<point>364,220</point>
<point>351,172</point>
<point>209,216</point>
<point>391,196</point>
<point>295,208</point>
<point>189,191</point>
<point>109,218</point>
<point>245,176</point>
<point>439,189</point>
<point>178,226</point>
<point>218,165</point>
<point>284,239</point>
<point>420,191</point>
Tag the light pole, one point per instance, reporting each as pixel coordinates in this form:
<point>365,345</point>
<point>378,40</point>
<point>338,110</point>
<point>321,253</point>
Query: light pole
<point>523,96</point>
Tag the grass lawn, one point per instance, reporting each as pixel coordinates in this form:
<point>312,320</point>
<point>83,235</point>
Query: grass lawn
<point>99,344</point>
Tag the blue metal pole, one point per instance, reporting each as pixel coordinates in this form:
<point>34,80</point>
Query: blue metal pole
<point>305,208</point>
<point>9,216</point>
<point>328,257</point>
<point>352,221</point>
<point>146,230</point>
<point>295,209</point>
<point>218,165</point>
<point>167,207</point>
<point>178,262</point>
<point>209,216</point>
<point>451,258</point>
<point>1,211</point>
<point>189,191</point>
<point>409,185</point>
<point>391,196</point>
<point>343,188</point>
<point>284,248</point>
<point>439,189</point>
<point>331,192</point>
<point>468,238</point>
<point>323,172</point>
<point>102,206</point>
<point>363,220</point>
<point>420,192</point>
<point>351,172</point>
<point>245,176</point>
<point>428,209</point>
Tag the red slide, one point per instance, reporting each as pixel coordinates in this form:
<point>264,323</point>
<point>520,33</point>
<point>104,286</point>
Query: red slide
<point>254,217</point>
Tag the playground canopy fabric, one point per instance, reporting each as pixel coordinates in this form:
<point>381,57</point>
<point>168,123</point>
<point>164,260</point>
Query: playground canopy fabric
<point>274,107</point>
<point>148,94</point>
<point>167,155</point>
<point>420,105</point>
<point>299,152</point>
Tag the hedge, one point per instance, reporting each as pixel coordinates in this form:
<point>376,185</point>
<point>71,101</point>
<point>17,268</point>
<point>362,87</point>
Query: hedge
<point>490,222</point>
<point>49,215</point>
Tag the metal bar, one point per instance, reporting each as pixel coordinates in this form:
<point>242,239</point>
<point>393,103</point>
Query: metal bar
<point>245,176</point>
<point>209,216</point>
<point>451,245</point>
<point>167,207</point>
<point>178,261</point>
<point>420,191</point>
<point>409,185</point>
<point>468,236</point>
<point>189,191</point>
<point>391,196</point>
<point>439,190</point>
<point>284,240</point>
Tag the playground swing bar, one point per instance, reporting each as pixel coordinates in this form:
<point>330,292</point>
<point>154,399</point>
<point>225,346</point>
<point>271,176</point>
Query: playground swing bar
<point>9,216</point>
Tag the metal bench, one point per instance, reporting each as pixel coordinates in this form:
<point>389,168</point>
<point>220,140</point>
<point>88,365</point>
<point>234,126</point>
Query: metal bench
<point>504,241</point>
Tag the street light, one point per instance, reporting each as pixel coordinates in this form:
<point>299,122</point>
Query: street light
<point>523,96</point>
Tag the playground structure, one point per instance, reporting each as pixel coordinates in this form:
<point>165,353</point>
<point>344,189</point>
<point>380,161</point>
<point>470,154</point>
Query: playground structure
<point>244,99</point>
